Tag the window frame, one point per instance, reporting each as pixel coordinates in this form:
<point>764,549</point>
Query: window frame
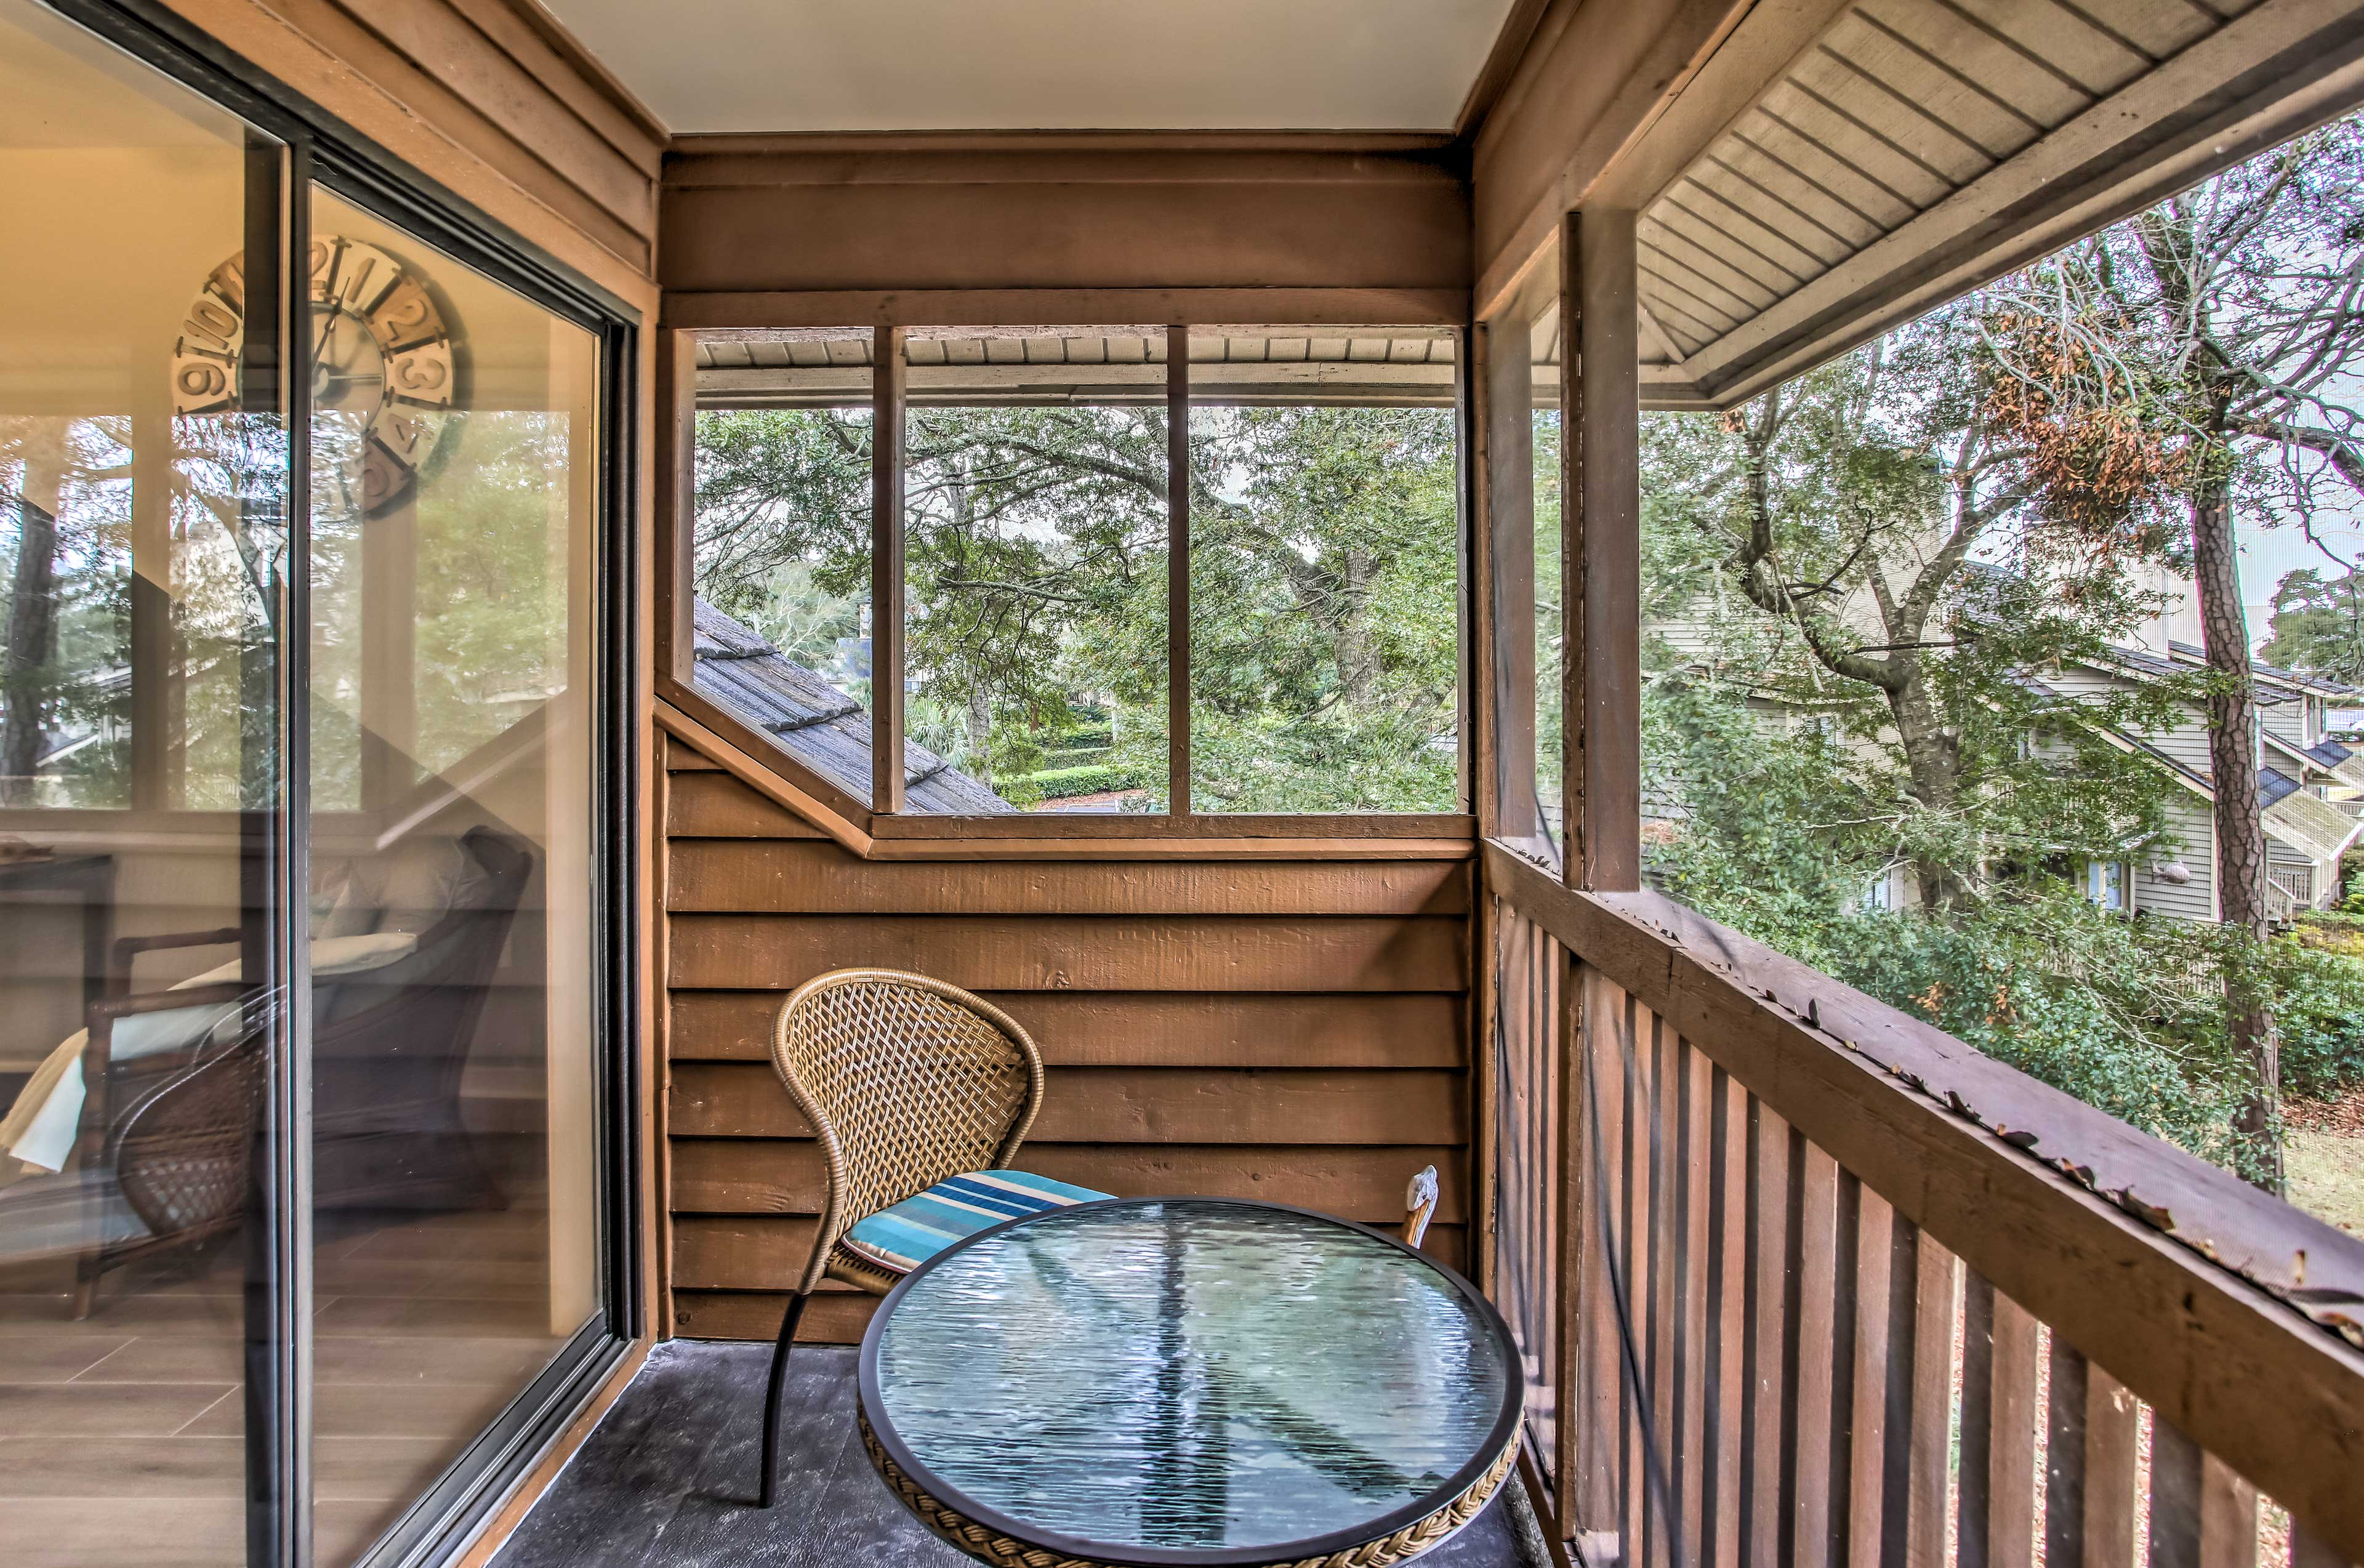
<point>316,147</point>
<point>882,826</point>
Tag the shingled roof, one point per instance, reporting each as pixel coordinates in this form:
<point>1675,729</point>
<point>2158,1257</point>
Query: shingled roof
<point>822,727</point>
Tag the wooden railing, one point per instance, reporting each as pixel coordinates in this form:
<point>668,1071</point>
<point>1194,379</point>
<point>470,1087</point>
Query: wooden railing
<point>1883,1300</point>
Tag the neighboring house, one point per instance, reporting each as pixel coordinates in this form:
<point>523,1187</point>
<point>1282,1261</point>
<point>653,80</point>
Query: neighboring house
<point>2308,785</point>
<point>819,725</point>
<point>2311,785</point>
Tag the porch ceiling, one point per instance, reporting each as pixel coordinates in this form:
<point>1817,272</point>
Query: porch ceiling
<point>822,65</point>
<point>1911,150</point>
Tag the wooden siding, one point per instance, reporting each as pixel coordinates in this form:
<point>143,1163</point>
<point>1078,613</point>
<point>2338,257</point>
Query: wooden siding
<point>791,231</point>
<point>2195,832</point>
<point>486,97</point>
<point>1294,1030</point>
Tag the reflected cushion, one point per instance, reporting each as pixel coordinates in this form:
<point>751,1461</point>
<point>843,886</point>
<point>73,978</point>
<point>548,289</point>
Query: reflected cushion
<point>900,1239</point>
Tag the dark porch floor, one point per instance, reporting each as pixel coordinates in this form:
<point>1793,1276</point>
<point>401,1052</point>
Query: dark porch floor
<point>668,1477</point>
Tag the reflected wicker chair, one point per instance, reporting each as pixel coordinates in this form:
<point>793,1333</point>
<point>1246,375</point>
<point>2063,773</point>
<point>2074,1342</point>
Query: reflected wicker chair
<point>914,1088</point>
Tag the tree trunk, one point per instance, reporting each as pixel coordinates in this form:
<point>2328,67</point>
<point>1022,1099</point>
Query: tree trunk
<point>1358,658</point>
<point>2239,817</point>
<point>1933,762</point>
<point>32,639</point>
<point>980,734</point>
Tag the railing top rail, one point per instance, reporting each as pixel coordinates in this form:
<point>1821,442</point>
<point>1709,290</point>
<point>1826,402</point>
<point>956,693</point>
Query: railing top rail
<point>2233,1313</point>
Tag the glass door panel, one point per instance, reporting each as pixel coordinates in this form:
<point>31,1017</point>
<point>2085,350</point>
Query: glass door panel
<point>453,508</point>
<point>143,463</point>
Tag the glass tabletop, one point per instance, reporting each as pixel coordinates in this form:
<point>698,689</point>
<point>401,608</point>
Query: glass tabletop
<point>1188,1379</point>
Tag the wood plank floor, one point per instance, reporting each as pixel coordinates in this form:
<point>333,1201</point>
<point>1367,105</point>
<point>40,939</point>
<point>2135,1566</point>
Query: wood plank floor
<point>668,1478</point>
<point>122,1434</point>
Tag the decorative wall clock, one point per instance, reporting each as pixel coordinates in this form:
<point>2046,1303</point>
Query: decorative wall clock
<point>384,366</point>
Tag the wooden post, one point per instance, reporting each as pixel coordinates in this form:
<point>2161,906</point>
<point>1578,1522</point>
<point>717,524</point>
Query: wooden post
<point>886,570</point>
<point>1178,570</point>
<point>1506,785</point>
<point>1600,541</point>
<point>677,457</point>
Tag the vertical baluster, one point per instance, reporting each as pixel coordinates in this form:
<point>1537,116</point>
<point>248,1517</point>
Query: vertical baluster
<point>1936,1324</point>
<point>1602,1481</point>
<point>1698,1168</point>
<point>1768,1309</point>
<point>1898,1433</point>
<point>1868,1416</point>
<point>2175,1464</point>
<point>1813,1326</point>
<point>1728,1229</point>
<point>1976,1469</point>
<point>1666,1261</point>
<point>2010,1529</point>
<point>1846,1246</point>
<point>1552,1185</point>
<point>2228,1516</point>
<point>2112,1455</point>
<point>1635,1246</point>
<point>2064,1458</point>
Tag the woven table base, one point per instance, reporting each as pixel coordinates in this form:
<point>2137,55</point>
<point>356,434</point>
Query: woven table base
<point>991,1546</point>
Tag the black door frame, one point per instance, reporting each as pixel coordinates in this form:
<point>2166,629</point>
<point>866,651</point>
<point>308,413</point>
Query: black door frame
<point>301,145</point>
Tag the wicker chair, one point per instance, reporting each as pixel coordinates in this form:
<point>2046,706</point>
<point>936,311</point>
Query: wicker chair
<point>908,1082</point>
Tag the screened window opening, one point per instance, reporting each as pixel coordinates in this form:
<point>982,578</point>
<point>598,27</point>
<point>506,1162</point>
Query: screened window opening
<point>1034,516</point>
<point>1324,570</point>
<point>783,546</point>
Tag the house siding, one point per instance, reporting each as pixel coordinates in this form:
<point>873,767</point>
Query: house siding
<point>1294,1032</point>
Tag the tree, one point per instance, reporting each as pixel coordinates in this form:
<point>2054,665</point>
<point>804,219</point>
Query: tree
<point>1324,553</point>
<point>2318,624</point>
<point>1860,544</point>
<point>2198,361</point>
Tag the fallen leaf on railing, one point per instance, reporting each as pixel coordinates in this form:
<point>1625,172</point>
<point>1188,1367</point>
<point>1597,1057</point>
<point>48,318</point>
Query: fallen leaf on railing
<point>2156,1218</point>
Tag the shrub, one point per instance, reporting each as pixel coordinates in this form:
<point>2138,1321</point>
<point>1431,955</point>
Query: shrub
<point>1065,783</point>
<point>2319,1010</point>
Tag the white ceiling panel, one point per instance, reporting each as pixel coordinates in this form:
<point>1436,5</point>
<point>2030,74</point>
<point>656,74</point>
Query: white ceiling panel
<point>856,65</point>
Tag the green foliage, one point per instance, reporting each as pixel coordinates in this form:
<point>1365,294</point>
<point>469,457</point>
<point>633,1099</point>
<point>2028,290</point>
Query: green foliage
<point>1325,559</point>
<point>2318,624</point>
<point>2319,1009</point>
<point>1065,783</point>
<point>1325,615</point>
<point>2104,1008</point>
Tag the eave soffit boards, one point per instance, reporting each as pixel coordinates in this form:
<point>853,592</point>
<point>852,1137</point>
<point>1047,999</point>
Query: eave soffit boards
<point>1915,149</point>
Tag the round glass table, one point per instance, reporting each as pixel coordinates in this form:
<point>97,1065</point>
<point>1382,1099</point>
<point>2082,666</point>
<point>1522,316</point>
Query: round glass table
<point>1166,1381</point>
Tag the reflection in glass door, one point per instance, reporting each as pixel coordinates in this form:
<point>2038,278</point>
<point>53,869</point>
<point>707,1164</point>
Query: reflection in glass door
<point>454,433</point>
<point>302,995</point>
<point>143,597</point>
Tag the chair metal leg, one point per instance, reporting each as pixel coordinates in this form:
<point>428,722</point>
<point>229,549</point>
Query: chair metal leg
<point>769,1489</point>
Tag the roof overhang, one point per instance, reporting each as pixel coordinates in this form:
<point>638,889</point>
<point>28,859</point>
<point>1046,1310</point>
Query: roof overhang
<point>1835,170</point>
<point>1050,365</point>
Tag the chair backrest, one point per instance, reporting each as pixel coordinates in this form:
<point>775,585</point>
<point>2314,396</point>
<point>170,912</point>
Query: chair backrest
<point>907,1080</point>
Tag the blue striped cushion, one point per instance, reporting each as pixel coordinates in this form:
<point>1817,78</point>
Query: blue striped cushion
<point>900,1239</point>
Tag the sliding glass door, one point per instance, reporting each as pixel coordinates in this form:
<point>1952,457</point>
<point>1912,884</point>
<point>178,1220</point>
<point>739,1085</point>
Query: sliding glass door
<point>309,834</point>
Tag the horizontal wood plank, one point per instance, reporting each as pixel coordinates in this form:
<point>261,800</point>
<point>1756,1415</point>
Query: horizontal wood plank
<point>837,1318</point>
<point>790,1176</point>
<point>712,804</point>
<point>778,951</point>
<point>1086,1029</point>
<point>751,1251</point>
<point>811,876</point>
<point>1133,1105</point>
